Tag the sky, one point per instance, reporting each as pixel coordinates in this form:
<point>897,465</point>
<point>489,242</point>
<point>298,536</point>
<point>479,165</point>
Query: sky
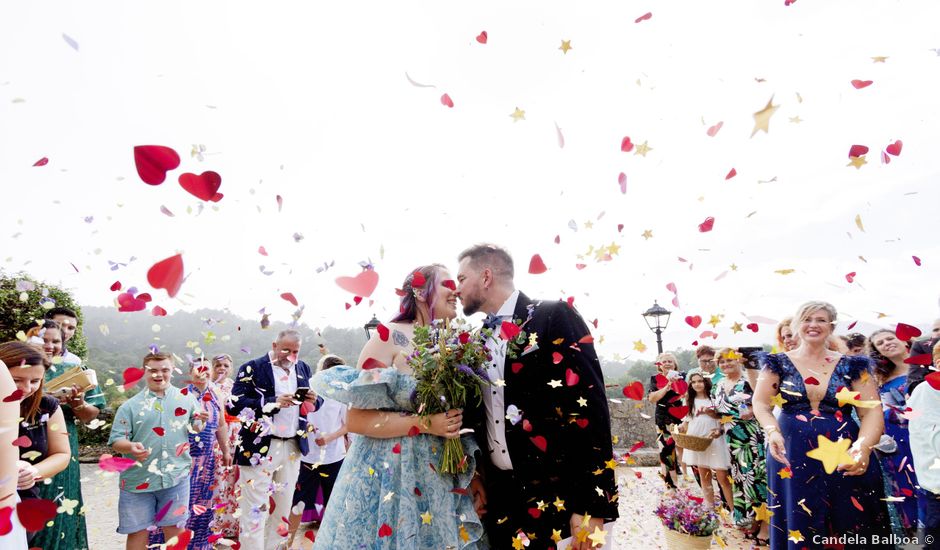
<point>339,109</point>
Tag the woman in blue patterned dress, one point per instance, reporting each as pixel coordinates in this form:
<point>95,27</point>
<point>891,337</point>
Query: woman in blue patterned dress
<point>891,371</point>
<point>388,494</point>
<point>822,491</point>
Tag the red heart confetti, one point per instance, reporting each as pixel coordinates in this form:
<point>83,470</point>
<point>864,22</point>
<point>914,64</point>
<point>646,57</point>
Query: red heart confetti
<point>852,325</point>
<point>413,431</point>
<point>35,512</point>
<point>582,422</point>
<point>857,504</point>
<point>557,357</point>
<point>262,251</point>
<point>159,431</point>
<point>622,180</point>
<point>449,283</point>
<point>713,130</point>
<point>180,411</point>
<point>645,17</point>
<point>626,145</point>
<point>6,525</point>
<point>144,297</point>
<point>693,321</point>
<point>536,265</point>
<point>679,412</point>
<point>397,449</point>
<point>205,186</point>
<point>418,280</point>
<point>168,274</point>
<point>116,286</point>
<point>482,37</point>
<point>526,425</point>
<point>885,159</point>
<point>571,377</point>
<point>934,380</point>
<point>752,327</point>
<point>535,513</point>
<point>15,396</point>
<point>925,359</point>
<point>22,441</point>
<point>290,298</point>
<point>280,202</point>
<point>385,531</point>
<point>158,311</point>
<point>383,332</point>
<point>447,101</point>
<point>110,463</point>
<point>362,284</point>
<point>142,486</point>
<point>182,541</point>
<point>131,376</point>
<point>539,442</point>
<point>154,161</point>
<point>372,363</point>
<point>706,225</point>
<point>182,448</point>
<point>661,381</point>
<point>895,148</point>
<point>731,174</point>
<point>906,332</point>
<point>811,381</point>
<point>586,339</point>
<point>850,277</point>
<point>162,512</point>
<point>858,151</point>
<point>509,330</point>
<point>916,260</point>
<point>634,391</point>
<point>516,367</point>
<point>859,84</point>
<point>41,162</point>
<point>127,302</point>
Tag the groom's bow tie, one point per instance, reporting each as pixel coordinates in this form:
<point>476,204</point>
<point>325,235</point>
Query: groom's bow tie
<point>493,321</point>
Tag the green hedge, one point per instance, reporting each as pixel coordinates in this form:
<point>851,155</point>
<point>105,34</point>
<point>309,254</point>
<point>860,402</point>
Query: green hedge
<point>17,313</point>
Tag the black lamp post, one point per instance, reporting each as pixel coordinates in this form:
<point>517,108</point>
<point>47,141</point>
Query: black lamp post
<point>370,326</point>
<point>652,317</point>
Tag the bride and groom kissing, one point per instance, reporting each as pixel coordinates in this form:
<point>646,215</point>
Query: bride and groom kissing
<point>540,458</point>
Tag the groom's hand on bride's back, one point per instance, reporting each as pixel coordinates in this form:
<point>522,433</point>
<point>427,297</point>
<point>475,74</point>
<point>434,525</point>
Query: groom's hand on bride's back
<point>478,492</point>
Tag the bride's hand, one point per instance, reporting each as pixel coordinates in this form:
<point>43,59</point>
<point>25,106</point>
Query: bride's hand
<point>446,424</point>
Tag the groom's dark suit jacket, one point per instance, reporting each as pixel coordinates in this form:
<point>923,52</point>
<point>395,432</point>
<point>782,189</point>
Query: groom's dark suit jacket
<point>577,438</point>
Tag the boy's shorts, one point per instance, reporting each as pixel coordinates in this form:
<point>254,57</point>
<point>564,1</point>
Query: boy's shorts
<point>136,511</point>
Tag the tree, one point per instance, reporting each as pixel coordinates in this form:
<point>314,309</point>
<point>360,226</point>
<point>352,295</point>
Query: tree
<point>24,300</point>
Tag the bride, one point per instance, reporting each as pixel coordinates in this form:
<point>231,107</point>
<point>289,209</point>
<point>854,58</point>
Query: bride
<point>388,493</point>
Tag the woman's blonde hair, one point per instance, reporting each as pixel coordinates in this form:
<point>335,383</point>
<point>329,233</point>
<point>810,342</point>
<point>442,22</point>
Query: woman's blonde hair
<point>663,355</point>
<point>785,322</point>
<point>811,307</point>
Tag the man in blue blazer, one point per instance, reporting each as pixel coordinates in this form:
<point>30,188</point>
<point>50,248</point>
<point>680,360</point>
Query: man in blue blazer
<point>269,397</point>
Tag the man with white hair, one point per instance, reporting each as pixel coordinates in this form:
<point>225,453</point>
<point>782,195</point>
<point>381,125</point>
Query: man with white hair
<point>271,396</point>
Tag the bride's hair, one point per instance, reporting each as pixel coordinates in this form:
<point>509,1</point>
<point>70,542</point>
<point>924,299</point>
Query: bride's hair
<point>408,308</point>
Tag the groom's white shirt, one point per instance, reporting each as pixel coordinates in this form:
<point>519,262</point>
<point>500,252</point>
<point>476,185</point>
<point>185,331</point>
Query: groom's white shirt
<point>494,396</point>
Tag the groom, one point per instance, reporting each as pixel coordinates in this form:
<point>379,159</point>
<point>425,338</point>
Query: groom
<point>547,464</point>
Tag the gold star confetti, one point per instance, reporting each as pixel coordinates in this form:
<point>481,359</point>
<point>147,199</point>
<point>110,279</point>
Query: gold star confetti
<point>648,234</point>
<point>857,162</point>
<point>500,382</point>
<point>830,453</point>
<point>555,383</point>
<point>614,248</point>
<point>762,513</point>
<point>541,505</point>
<point>795,536</point>
<point>582,402</point>
<point>642,149</point>
<point>762,117</point>
<point>464,535</point>
<point>734,267</point>
<point>588,224</point>
<point>639,346</point>
<point>796,119</point>
<point>598,537</point>
<point>777,400</point>
<point>736,328</point>
<point>611,464</point>
<point>518,115</point>
<point>785,271</point>
<point>518,545</point>
<point>879,59</point>
<point>726,419</point>
<point>426,518</point>
<point>559,504</point>
<point>858,223</point>
<point>785,473</point>
<point>556,535</point>
<point>848,397</point>
<point>714,321</point>
<point>565,46</point>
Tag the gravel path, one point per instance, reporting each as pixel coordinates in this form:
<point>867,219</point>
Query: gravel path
<point>637,529</point>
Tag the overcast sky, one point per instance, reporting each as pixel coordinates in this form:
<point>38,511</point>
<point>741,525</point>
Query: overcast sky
<point>336,107</point>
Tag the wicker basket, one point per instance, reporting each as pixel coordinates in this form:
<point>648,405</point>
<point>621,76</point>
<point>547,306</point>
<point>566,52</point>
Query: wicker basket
<point>680,541</point>
<point>691,442</point>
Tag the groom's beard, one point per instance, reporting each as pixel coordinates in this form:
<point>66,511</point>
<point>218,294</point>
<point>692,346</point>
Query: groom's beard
<point>470,306</point>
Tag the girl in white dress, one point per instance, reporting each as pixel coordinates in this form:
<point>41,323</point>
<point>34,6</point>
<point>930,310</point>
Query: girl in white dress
<point>703,421</point>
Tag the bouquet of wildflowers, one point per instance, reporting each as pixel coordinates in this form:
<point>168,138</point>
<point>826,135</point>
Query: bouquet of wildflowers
<point>683,512</point>
<point>448,363</point>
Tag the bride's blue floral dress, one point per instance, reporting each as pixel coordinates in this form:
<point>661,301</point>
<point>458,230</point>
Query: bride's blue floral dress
<point>388,494</point>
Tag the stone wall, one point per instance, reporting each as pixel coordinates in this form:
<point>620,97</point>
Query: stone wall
<point>631,422</point>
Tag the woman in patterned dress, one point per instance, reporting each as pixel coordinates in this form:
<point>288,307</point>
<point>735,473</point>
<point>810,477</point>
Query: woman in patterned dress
<point>732,397</point>
<point>225,501</point>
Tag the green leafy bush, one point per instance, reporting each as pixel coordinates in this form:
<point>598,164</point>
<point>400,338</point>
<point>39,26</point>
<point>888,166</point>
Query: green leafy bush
<point>23,300</point>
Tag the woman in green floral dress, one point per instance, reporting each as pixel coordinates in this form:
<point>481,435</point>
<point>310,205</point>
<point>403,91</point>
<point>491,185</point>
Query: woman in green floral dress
<point>732,397</point>
<point>68,530</point>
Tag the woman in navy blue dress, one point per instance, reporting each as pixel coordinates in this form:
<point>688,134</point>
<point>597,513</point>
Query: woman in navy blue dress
<point>825,489</point>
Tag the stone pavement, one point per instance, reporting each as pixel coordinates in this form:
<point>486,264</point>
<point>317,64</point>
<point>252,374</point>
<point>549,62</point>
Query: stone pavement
<point>637,528</point>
